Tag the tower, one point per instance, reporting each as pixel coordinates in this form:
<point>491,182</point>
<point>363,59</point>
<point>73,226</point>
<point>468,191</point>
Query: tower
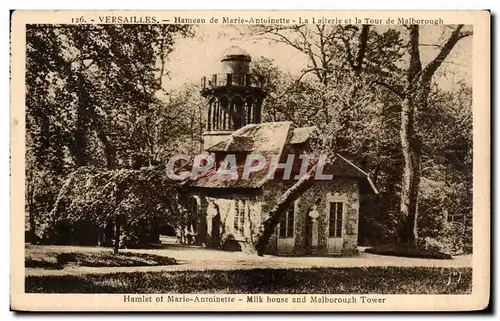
<point>234,97</point>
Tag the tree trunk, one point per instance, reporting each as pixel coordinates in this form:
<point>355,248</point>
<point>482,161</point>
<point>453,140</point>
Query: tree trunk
<point>417,91</point>
<point>273,216</point>
<point>411,175</point>
<point>80,145</point>
<point>82,123</point>
<point>31,218</point>
<point>100,236</point>
<point>116,244</point>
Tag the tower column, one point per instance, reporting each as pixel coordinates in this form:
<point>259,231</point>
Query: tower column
<point>235,97</point>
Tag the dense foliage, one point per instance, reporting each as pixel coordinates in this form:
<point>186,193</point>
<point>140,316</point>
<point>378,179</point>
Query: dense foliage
<point>94,116</point>
<point>138,201</point>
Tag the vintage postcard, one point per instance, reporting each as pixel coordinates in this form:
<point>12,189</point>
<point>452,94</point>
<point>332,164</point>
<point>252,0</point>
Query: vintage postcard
<point>250,160</point>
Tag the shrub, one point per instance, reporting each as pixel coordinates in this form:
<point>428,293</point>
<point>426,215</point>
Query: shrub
<point>406,251</point>
<point>443,210</point>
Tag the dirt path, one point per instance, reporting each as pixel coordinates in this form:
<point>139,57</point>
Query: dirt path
<point>199,259</point>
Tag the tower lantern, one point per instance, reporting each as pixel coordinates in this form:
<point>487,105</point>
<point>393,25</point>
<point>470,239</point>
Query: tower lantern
<point>234,96</point>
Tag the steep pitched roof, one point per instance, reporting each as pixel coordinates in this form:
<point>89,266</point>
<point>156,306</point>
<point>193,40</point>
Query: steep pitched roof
<point>302,134</point>
<point>210,179</point>
<point>234,144</point>
<point>340,167</point>
<point>269,140</point>
<point>266,137</point>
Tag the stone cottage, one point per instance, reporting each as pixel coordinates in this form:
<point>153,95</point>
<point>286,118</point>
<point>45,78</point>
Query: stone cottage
<point>322,221</point>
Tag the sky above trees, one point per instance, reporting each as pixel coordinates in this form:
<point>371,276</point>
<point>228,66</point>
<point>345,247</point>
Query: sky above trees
<point>199,56</point>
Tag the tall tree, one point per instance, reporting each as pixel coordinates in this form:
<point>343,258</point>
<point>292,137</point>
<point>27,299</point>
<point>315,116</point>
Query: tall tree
<point>414,98</point>
<point>91,90</point>
<point>105,76</point>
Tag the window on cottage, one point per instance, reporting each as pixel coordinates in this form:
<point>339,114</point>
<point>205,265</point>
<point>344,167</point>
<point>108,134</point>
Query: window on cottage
<point>239,217</point>
<point>287,223</point>
<point>335,219</point>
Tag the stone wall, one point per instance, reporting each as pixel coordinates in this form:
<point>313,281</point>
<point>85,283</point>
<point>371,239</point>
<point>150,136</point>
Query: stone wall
<point>339,189</point>
<point>227,209</point>
<point>270,195</point>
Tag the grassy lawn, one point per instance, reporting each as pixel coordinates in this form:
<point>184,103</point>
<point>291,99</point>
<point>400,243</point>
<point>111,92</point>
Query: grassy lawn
<point>380,280</point>
<point>53,257</point>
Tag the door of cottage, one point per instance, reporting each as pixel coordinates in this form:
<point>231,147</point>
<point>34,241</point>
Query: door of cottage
<point>335,210</point>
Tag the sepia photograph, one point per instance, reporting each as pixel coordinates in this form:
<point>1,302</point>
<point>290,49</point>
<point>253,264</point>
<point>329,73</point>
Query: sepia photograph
<point>326,158</point>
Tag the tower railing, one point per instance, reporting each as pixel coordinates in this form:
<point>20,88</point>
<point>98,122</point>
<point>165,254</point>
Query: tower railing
<point>233,79</point>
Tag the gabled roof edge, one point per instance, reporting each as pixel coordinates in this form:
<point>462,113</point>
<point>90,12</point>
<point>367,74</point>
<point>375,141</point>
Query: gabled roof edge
<point>375,190</point>
<point>368,178</point>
